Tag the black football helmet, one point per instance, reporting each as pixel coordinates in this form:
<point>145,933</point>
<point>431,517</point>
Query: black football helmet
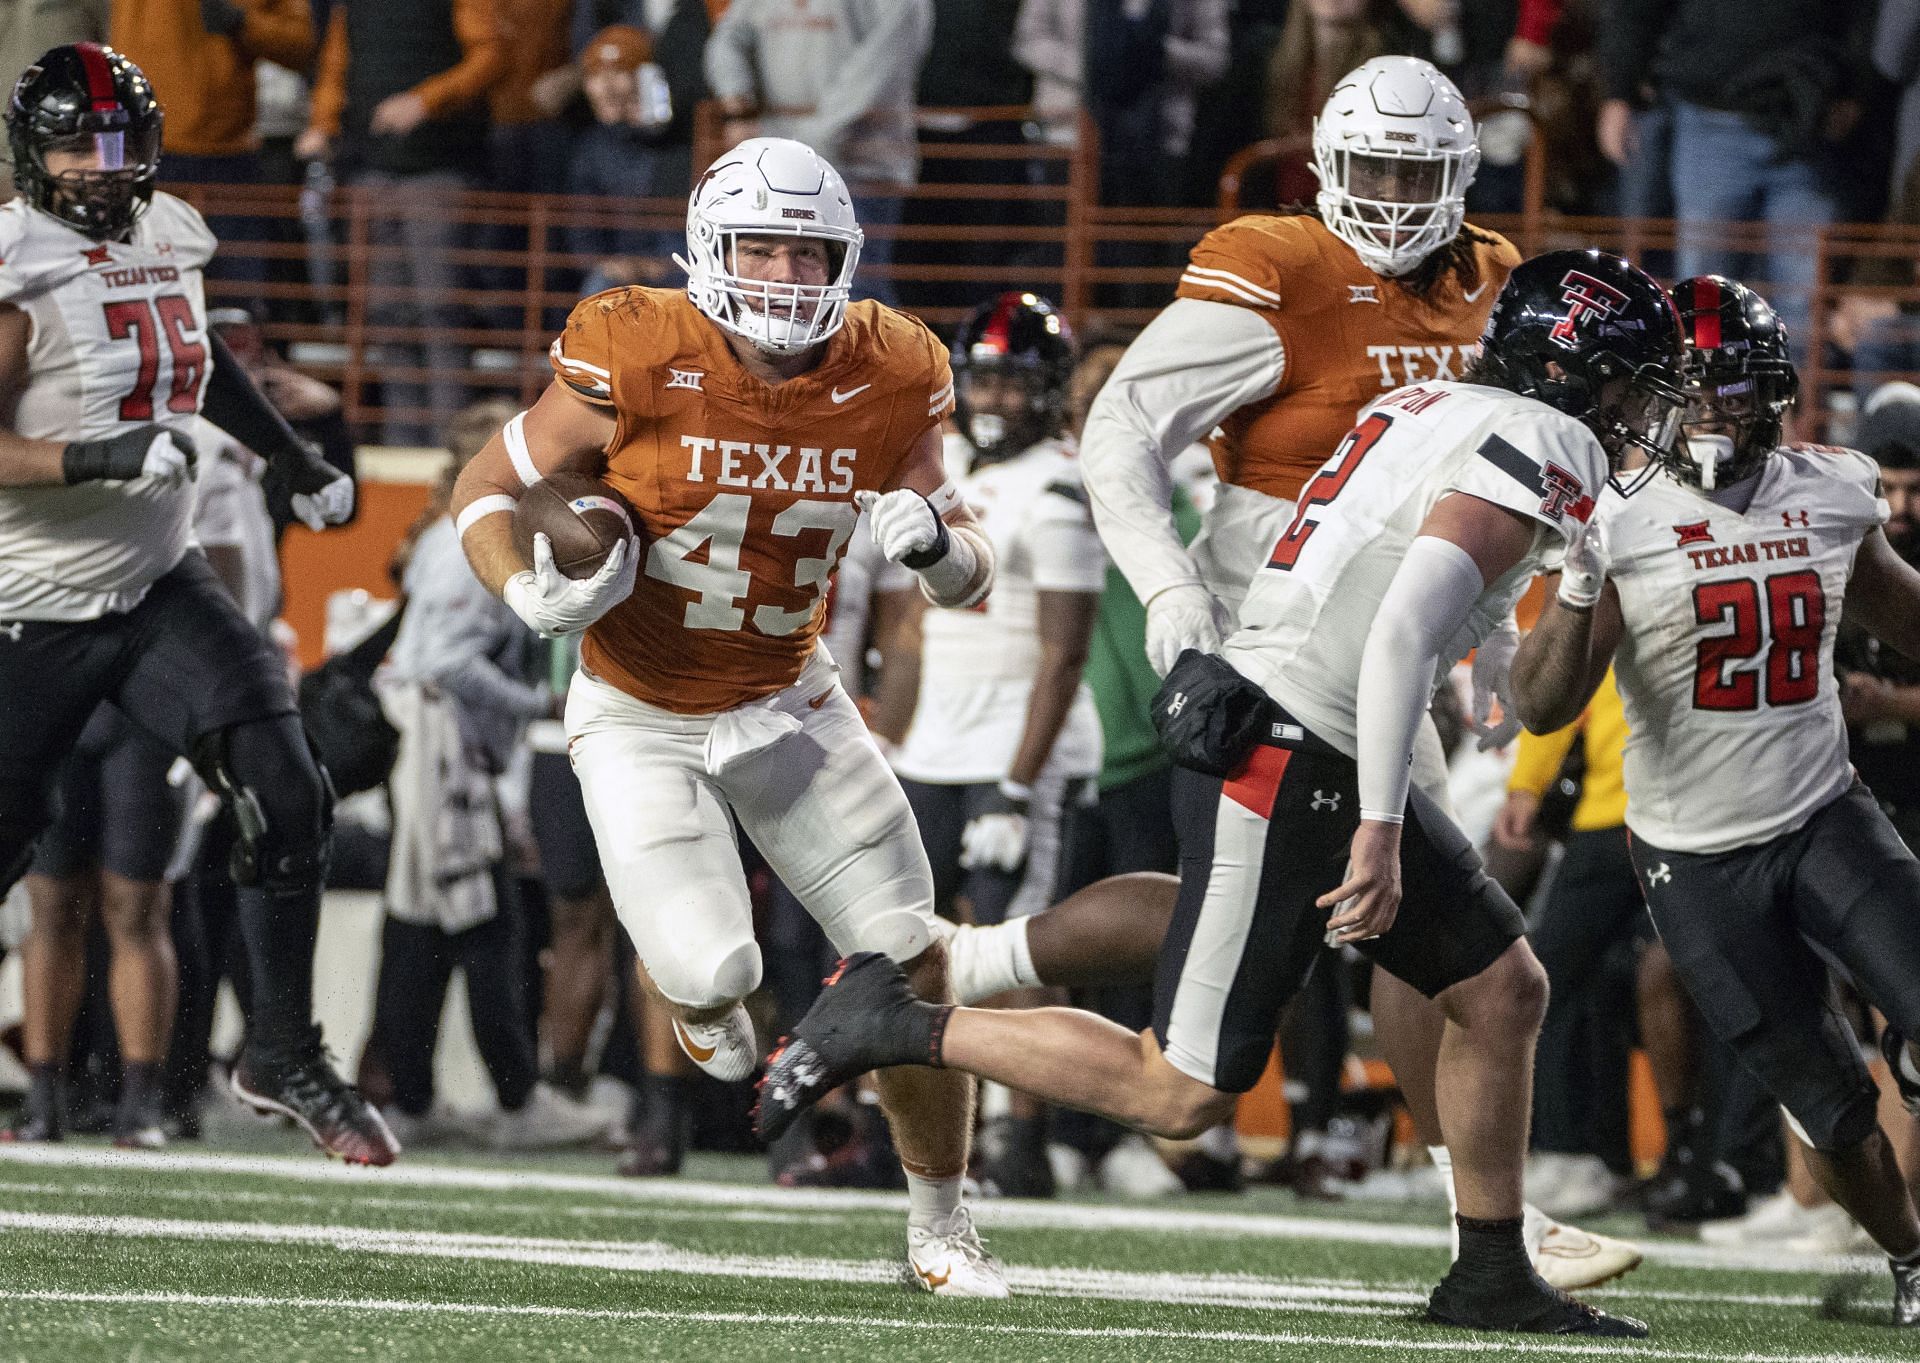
<point>1021,336</point>
<point>1740,382</point>
<point>88,99</point>
<point>1568,325</point>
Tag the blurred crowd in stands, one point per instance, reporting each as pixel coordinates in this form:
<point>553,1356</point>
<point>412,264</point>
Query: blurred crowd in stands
<point>1792,113</point>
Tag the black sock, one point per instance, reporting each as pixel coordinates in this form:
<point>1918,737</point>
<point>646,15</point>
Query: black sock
<point>47,1095</point>
<point>279,927</point>
<point>569,1077</point>
<point>923,1032</point>
<point>1495,1250</point>
<point>140,1082</point>
<point>664,1097</point>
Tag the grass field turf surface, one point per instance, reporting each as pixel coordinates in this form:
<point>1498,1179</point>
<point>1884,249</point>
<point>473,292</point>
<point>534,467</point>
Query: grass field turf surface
<point>120,1257</point>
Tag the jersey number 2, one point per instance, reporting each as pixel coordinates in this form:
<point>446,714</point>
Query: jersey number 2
<point>169,316</point>
<point>1325,486</point>
<point>1788,621</point>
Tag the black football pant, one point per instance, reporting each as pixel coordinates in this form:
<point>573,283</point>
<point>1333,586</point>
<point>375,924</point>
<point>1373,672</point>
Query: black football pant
<point>185,667</point>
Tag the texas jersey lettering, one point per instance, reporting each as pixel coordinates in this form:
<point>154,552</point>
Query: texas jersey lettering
<point>1734,727</point>
<point>118,340</point>
<point>1347,335</point>
<point>1309,609</point>
<point>745,489</point>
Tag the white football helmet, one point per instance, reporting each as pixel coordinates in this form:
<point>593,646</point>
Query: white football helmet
<point>1394,149</point>
<point>770,186</point>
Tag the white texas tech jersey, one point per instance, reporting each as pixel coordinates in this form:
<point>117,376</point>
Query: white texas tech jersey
<point>1304,624</point>
<point>118,339</point>
<point>977,665</point>
<point>1725,664</point>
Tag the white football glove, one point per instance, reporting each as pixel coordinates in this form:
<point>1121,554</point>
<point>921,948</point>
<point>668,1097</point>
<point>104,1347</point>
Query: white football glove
<point>996,838</point>
<point>1183,617</point>
<point>553,604</point>
<point>330,505</point>
<point>905,528</point>
<point>1585,573</point>
<point>1492,661</point>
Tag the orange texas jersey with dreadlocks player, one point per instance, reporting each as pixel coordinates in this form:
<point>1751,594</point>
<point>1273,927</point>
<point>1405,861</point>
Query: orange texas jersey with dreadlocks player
<point>744,489</point>
<point>1348,335</point>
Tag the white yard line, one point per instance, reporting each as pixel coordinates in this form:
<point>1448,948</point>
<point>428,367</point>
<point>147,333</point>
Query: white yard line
<point>1173,1218</point>
<point>379,1306</point>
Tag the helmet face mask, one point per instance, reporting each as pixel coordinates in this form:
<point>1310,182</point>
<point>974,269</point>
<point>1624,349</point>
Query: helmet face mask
<point>1012,365</point>
<point>1394,151</point>
<point>1597,339</point>
<point>766,189</point>
<point>85,132</point>
<point>1740,383</point>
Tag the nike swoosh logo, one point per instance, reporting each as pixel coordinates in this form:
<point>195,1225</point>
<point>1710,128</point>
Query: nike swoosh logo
<point>819,700</point>
<point>839,396</point>
<point>700,1055</point>
<point>1474,297</point>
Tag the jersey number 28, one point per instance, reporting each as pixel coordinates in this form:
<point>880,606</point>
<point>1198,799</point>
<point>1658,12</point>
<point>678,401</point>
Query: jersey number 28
<point>1784,616</point>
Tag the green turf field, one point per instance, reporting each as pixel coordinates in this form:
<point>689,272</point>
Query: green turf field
<point>280,1258</point>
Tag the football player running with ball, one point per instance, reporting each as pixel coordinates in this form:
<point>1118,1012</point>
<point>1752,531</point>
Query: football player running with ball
<point>1285,326</point>
<point>1296,819</point>
<point>1716,590</point>
<point>105,361</point>
<point>749,419</point>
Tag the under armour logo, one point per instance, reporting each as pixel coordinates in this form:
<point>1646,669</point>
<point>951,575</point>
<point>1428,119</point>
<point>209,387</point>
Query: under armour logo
<point>1363,293</point>
<point>1660,875</point>
<point>1177,704</point>
<point>1323,800</point>
<point>1583,294</point>
<point>14,629</point>
<point>1787,519</point>
<point>685,378</point>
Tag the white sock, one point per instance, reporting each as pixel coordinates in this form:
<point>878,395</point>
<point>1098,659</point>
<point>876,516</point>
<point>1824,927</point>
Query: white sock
<point>986,961</point>
<point>1220,1142</point>
<point>931,1199</point>
<point>1443,1161</point>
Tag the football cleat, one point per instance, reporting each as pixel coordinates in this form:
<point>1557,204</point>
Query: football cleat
<point>865,1018</point>
<point>1572,1259</point>
<point>301,1083</point>
<point>1906,1294</point>
<point>1530,1307</point>
<point>1894,1047</point>
<point>948,1260</point>
<point>32,1129</point>
<point>724,1048</point>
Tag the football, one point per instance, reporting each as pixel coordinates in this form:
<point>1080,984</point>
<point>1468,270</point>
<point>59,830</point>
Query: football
<point>582,517</point>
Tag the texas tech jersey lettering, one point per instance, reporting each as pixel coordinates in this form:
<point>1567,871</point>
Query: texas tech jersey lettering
<point>1726,662</point>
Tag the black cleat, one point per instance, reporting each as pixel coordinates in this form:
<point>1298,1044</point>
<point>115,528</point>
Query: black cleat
<point>1906,1294</point>
<point>1531,1308</point>
<point>1894,1047</point>
<point>301,1083</point>
<point>865,1018</point>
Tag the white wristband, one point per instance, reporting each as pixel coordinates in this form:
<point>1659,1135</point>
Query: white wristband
<point>479,509</point>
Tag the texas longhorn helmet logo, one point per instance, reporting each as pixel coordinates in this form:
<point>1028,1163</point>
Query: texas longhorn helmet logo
<point>1583,294</point>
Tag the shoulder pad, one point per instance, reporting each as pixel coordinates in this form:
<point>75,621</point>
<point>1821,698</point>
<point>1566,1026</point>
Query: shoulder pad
<point>907,346</point>
<point>1249,260</point>
<point>179,224</point>
<point>599,328</point>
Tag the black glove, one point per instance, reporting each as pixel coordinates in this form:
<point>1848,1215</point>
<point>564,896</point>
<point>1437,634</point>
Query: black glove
<point>222,18</point>
<point>141,451</point>
<point>1208,716</point>
<point>311,490</point>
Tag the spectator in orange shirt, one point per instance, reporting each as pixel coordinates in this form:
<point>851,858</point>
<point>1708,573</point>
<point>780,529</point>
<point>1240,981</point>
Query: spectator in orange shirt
<point>399,98</point>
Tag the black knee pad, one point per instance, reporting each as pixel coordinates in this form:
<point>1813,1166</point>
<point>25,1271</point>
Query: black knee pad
<point>281,800</point>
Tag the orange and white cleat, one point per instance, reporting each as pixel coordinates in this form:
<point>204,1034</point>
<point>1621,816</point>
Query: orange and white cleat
<point>724,1048</point>
<point>948,1260</point>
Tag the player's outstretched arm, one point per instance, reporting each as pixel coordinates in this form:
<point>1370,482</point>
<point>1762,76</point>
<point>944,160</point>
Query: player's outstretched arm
<point>1561,663</point>
<point>560,431</point>
<point>319,494</point>
<point>1883,596</point>
<point>921,523</point>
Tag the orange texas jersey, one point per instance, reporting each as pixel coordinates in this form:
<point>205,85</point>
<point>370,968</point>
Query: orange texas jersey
<point>745,489</point>
<point>1348,336</point>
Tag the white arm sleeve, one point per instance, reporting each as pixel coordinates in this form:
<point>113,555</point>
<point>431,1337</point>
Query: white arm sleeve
<point>1423,611</point>
<point>1195,364</point>
<point>1065,554</point>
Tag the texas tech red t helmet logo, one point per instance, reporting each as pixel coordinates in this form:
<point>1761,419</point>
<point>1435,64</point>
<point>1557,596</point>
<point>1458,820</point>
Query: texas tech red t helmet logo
<point>1584,294</point>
